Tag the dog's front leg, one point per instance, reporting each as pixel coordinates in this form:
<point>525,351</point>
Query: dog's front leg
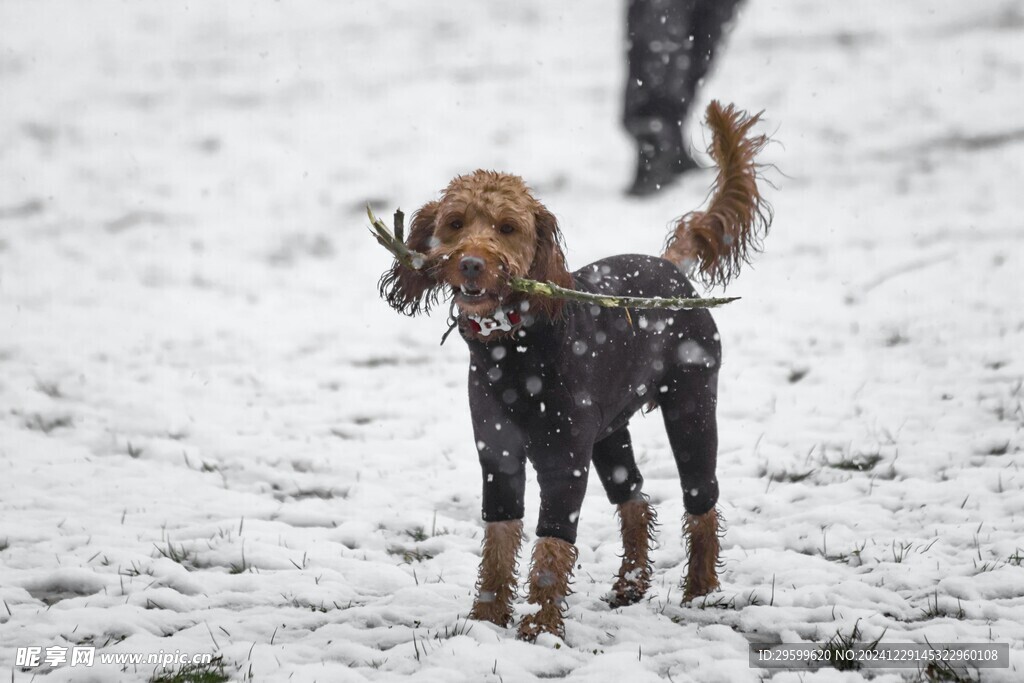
<point>563,482</point>
<point>496,583</point>
<point>550,574</point>
<point>502,465</point>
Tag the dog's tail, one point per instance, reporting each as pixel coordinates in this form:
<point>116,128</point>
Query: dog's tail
<point>712,244</point>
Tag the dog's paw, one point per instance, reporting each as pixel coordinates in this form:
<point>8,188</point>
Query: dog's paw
<point>631,585</point>
<point>544,621</point>
<point>494,611</point>
<point>697,586</point>
<point>624,594</point>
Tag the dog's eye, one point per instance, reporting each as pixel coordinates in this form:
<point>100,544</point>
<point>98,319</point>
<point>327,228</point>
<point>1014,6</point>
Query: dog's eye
<point>455,224</point>
<point>506,228</point>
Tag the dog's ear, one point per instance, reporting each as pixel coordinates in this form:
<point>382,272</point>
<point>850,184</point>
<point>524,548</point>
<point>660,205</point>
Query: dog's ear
<point>548,263</point>
<point>411,291</point>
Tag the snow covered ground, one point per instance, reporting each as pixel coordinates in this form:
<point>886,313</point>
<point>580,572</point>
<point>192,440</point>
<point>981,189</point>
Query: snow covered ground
<point>215,438</point>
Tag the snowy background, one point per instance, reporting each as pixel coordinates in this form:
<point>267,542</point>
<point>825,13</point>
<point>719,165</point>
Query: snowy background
<point>214,437</point>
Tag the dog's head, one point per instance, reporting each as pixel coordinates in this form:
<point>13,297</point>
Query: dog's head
<point>485,229</point>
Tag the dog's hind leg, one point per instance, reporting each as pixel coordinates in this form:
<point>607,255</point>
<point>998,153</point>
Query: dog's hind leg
<point>688,407</point>
<point>703,545</point>
<point>616,466</point>
<point>637,520</point>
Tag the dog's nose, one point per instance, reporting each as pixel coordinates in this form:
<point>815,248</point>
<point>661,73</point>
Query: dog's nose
<point>471,266</point>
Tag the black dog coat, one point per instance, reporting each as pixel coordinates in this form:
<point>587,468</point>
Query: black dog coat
<point>560,393</point>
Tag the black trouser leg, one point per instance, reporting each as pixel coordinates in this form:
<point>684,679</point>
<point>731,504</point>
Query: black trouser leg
<point>710,19</point>
<point>659,47</point>
<point>671,46</point>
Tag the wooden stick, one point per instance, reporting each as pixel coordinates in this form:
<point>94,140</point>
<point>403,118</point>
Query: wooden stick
<point>400,225</point>
<point>406,256</point>
<point>614,301</point>
<point>416,261</point>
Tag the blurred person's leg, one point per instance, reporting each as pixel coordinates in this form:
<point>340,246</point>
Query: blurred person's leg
<point>671,45</point>
<point>710,20</point>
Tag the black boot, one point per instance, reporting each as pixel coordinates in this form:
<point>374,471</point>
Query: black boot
<point>661,159</point>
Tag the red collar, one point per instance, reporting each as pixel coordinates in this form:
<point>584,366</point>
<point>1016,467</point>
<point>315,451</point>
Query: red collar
<point>502,321</point>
